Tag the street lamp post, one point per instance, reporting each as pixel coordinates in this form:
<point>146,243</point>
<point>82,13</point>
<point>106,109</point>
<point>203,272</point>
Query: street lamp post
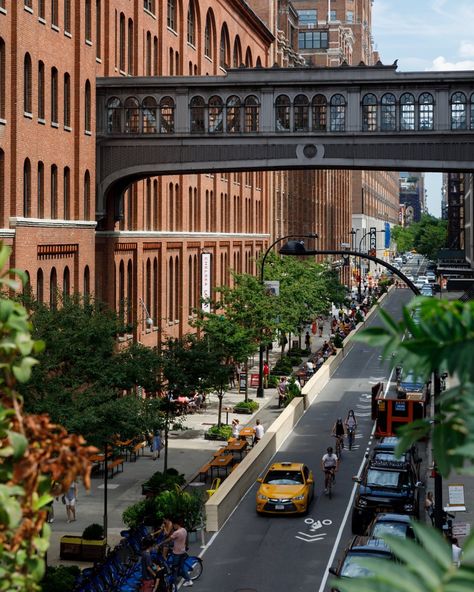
<point>262,278</point>
<point>359,291</point>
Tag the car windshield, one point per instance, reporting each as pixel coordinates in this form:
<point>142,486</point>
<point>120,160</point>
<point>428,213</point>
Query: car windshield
<point>381,478</point>
<point>388,455</point>
<point>351,567</point>
<point>396,528</point>
<point>279,477</point>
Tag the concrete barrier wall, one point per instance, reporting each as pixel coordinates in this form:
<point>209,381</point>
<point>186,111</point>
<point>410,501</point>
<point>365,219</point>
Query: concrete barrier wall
<point>221,505</point>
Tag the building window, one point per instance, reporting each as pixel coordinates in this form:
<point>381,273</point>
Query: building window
<point>369,113</point>
<point>237,56</point>
<point>172,16</point>
<point>67,100</point>
<point>224,48</point>
<point>39,286</point>
<point>148,54</point>
<point>87,107</point>
<point>319,108</point>
<point>67,194</point>
<point>426,111</point>
<point>2,79</point>
<point>130,47</point>
<point>114,116</point>
<point>307,17</point>
<point>40,190</point>
<point>54,96</point>
<point>87,281</point>
<point>87,196</point>
<point>332,15</point>
<point>301,113</point>
<point>27,84</point>
<point>282,113</point>
<point>155,56</point>
<point>132,116</point>
<point>313,40</point>
<point>208,37</point>
<point>149,115</point>
<point>251,114</point>
<point>41,106</point>
<point>122,43</point>
<point>215,115</point>
<point>407,112</point>
<point>197,111</point>
<point>28,4</point>
<point>472,111</point>
<point>53,289</point>
<point>88,19</point>
<point>350,17</point>
<point>388,120</point>
<point>337,114</point>
<point>98,28</point>
<point>54,192</point>
<point>66,282</point>
<point>27,189</point>
<point>458,111</point>
<point>67,16</point>
<point>149,5</point>
<point>191,24</point>
<point>167,115</point>
<point>233,110</point>
<point>54,13</point>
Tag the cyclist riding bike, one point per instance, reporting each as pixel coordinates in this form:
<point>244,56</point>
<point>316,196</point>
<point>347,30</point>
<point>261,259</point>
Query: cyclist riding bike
<point>329,464</point>
<point>351,426</point>
<point>338,431</point>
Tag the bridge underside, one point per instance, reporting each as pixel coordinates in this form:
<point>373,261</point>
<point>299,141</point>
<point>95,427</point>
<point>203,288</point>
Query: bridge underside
<point>121,161</point>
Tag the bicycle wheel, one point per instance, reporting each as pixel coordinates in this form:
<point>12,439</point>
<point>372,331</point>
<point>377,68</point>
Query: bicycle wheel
<point>350,438</point>
<point>194,567</point>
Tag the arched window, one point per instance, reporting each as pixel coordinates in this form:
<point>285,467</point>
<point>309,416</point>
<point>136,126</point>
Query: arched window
<point>88,19</point>
<point>87,107</point>
<point>155,311</point>
<point>259,62</point>
<point>148,54</point>
<point>66,282</point>
<point>301,113</point>
<point>319,113</point>
<point>147,212</point>
<point>192,23</point>
<point>54,96</point>
<point>2,78</point>
<point>41,82</point>
<point>233,109</point>
<point>87,281</point>
<point>197,109</point>
<point>40,190</point>
<point>248,58</point>
<point>39,285</point>
<point>237,53</point>
<point>54,13</point>
<point>27,84</point>
<point>27,188</point>
<point>148,301</point>
<point>67,16</point>
<point>114,116</point>
<point>167,115</point>
<point>41,9</point>
<point>87,195</point>
<point>208,36</point>
<point>122,43</point>
<point>215,115</point>
<point>177,289</point>
<point>458,111</point>
<point>472,111</point>
<point>369,113</point>
<point>132,116</point>
<point>224,48</point>
<point>337,113</point>
<point>54,191</point>
<point>172,16</point>
<point>53,288</point>
<point>67,100</point>
<point>67,193</point>
<point>121,291</point>
<point>388,115</point>
<point>407,112</point>
<point>170,290</point>
<point>149,114</point>
<point>425,111</point>
<point>98,28</point>
<point>130,48</point>
<point>155,56</point>
<point>282,113</point>
<point>252,114</point>
<point>171,207</point>
<point>129,293</point>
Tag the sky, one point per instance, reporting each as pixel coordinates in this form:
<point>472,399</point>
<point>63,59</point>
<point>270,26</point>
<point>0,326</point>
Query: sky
<point>425,35</point>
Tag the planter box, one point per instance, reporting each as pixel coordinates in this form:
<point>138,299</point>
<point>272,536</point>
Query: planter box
<point>70,547</point>
<point>243,411</point>
<point>79,549</point>
<point>93,550</point>
<point>215,437</point>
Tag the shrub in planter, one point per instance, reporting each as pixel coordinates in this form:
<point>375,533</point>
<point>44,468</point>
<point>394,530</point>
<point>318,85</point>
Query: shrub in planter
<point>283,367</point>
<point>180,504</point>
<point>159,482</point>
<point>222,432</point>
<point>297,351</point>
<point>246,406</point>
<point>273,381</point>
<point>93,532</point>
<point>135,514</point>
<point>61,577</point>
<point>338,342</point>
<point>93,543</point>
<point>295,360</point>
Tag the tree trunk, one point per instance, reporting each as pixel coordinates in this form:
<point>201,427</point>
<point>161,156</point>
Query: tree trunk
<point>167,420</point>
<point>220,396</point>
<point>246,368</point>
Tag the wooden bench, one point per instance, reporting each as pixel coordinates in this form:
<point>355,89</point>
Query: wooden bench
<point>204,470</point>
<point>135,451</point>
<point>114,467</point>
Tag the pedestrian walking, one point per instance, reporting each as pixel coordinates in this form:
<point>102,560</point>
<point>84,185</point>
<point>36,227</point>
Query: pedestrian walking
<point>456,551</point>
<point>156,445</point>
<point>320,326</point>
<point>281,388</point>
<point>266,374</point>
<point>70,499</point>
<point>307,341</point>
<point>259,431</point>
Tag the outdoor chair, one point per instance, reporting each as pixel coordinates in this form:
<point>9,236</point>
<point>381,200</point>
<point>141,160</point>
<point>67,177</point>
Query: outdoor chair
<point>214,486</point>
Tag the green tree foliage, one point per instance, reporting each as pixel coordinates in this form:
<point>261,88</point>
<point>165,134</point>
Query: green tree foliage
<point>433,335</point>
<point>427,236</point>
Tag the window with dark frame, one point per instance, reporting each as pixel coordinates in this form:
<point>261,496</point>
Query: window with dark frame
<point>54,96</point>
<point>171,16</point>
<point>54,13</point>
<point>313,40</point>
<point>27,84</point>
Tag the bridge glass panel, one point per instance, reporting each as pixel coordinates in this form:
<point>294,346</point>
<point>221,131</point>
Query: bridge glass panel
<point>458,111</point>
<point>252,114</point>
<point>233,115</point>
<point>216,115</point>
<point>472,111</point>
<point>132,116</point>
<point>407,112</point>
<point>369,113</point>
<point>197,109</point>
<point>320,113</point>
<point>149,112</point>
<point>167,115</point>
<point>388,120</point>
<point>337,113</point>
<point>301,113</point>
<point>282,113</point>
<point>425,111</point>
<point>114,116</point>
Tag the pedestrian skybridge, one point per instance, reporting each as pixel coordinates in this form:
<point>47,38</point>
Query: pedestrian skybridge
<point>283,118</point>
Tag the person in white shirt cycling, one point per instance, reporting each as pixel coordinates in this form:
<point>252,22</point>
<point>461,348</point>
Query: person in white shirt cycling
<point>329,464</point>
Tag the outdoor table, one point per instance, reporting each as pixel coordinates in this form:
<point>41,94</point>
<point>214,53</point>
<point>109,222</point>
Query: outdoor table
<point>221,462</point>
<point>237,446</point>
<point>247,433</point>
<point>219,452</point>
<point>99,459</point>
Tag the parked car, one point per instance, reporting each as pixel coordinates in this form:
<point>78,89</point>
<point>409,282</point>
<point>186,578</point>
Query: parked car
<point>427,290</point>
<point>385,486</point>
<point>431,277</point>
<point>384,450</point>
<point>419,283</point>
<point>286,488</point>
<point>408,383</point>
<point>394,524</point>
<point>359,548</point>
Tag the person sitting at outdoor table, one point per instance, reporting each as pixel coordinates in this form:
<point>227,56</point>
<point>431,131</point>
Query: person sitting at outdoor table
<point>236,428</point>
<point>320,360</point>
<point>309,368</point>
<point>259,431</point>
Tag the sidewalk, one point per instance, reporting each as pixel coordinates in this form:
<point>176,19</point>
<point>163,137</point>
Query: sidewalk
<point>187,452</point>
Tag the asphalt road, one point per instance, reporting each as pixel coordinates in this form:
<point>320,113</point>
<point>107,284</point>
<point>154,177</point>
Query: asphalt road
<point>272,554</point>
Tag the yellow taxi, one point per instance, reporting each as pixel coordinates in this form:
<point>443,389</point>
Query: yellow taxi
<point>286,488</point>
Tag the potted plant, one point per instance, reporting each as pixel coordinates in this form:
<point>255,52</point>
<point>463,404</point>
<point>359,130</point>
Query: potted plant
<point>159,482</point>
<point>181,504</point>
<point>93,543</point>
<point>222,432</point>
<point>246,407</point>
<point>61,577</point>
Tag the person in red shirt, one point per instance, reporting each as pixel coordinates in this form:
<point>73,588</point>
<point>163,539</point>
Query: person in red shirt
<point>266,372</point>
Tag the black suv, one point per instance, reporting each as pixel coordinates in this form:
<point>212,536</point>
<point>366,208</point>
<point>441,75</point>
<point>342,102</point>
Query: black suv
<point>385,486</point>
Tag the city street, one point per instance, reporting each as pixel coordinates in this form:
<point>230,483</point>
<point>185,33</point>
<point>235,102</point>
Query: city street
<point>272,554</point>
